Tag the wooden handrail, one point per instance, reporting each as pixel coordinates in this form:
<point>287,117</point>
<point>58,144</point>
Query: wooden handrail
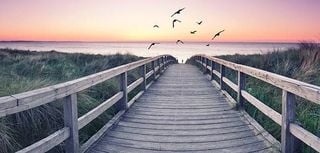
<point>24,101</point>
<point>290,87</point>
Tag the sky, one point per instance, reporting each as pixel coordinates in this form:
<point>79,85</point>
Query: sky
<point>133,20</point>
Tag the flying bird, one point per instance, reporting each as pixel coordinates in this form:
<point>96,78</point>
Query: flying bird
<point>193,32</point>
<point>156,26</point>
<point>174,21</point>
<point>208,45</point>
<point>179,41</point>
<point>152,44</point>
<point>178,12</point>
<point>199,22</point>
<point>218,34</point>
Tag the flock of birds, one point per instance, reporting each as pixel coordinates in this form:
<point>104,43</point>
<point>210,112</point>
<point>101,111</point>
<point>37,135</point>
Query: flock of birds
<point>175,21</point>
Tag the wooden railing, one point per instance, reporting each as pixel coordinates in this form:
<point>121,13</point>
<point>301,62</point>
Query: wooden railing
<point>290,131</point>
<point>68,90</point>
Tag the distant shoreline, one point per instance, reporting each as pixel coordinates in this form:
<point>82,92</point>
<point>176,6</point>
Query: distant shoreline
<point>240,42</point>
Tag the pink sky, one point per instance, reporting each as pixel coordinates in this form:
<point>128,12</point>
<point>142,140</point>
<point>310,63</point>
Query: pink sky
<point>132,20</point>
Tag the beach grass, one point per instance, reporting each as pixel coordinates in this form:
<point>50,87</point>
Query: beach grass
<point>22,71</point>
<point>302,63</point>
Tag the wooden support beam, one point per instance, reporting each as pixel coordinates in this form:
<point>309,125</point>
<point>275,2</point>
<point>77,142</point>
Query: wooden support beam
<point>288,116</point>
<point>123,103</point>
<point>212,68</point>
<point>154,70</point>
<point>143,73</point>
<point>241,86</point>
<point>222,74</point>
<point>70,111</point>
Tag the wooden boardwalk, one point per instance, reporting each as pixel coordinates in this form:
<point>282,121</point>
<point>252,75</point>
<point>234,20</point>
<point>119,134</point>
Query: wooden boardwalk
<point>182,112</point>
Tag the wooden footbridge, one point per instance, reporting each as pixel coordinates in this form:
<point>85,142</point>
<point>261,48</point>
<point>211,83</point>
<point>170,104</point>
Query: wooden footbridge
<point>179,109</point>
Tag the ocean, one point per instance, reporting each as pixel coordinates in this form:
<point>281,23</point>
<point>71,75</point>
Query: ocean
<point>181,51</point>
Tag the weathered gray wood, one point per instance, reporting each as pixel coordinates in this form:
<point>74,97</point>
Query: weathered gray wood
<point>48,143</point>
<point>94,113</point>
<point>143,72</point>
<point>222,72</point>
<point>241,86</point>
<point>181,112</point>
<point>302,89</point>
<point>70,111</point>
<point>275,116</point>
<point>38,97</point>
<point>288,117</point>
<point>113,122</point>
<point>123,103</point>
<point>153,65</point>
<point>306,136</point>
<point>135,84</point>
<point>230,84</point>
<point>149,74</point>
<point>212,68</point>
<point>135,98</point>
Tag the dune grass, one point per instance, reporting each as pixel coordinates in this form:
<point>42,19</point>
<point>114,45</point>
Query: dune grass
<point>301,63</point>
<point>22,71</point>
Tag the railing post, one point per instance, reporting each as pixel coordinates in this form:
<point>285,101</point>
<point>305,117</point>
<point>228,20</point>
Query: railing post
<point>123,103</point>
<point>70,113</point>
<point>222,72</point>
<point>162,61</point>
<point>212,68</point>
<point>205,65</point>
<point>288,116</point>
<point>159,66</point>
<point>154,70</point>
<point>143,72</point>
<point>241,86</point>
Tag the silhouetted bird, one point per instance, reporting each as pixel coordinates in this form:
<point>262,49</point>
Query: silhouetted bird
<point>156,26</point>
<point>179,41</point>
<point>193,32</point>
<point>208,45</point>
<point>175,20</point>
<point>152,44</point>
<point>178,12</point>
<point>218,34</point>
<point>199,22</point>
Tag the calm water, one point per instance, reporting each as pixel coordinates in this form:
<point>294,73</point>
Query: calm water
<point>182,52</point>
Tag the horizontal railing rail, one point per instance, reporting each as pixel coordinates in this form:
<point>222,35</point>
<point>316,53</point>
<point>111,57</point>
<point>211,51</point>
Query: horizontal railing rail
<point>290,131</point>
<point>69,134</point>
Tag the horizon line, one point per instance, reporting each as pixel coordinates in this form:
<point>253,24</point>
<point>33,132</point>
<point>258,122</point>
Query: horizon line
<point>74,41</point>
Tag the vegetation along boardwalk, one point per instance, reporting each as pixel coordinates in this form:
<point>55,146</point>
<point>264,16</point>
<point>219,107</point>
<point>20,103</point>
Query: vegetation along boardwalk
<point>182,112</point>
<point>176,109</point>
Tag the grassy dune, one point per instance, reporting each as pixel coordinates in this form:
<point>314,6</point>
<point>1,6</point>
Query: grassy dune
<point>25,70</point>
<point>301,63</point>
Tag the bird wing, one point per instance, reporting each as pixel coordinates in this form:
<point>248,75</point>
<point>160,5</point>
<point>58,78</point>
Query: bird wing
<point>150,46</point>
<point>221,31</point>
<point>173,23</point>
<point>173,14</point>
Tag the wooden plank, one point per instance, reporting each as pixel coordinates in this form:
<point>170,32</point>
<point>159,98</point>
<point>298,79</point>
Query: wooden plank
<point>288,117</point>
<point>135,84</point>
<point>153,65</point>
<point>48,143</point>
<point>114,121</point>
<point>94,113</point>
<point>123,102</point>
<point>7,102</point>
<point>299,88</point>
<point>130,103</point>
<point>212,69</point>
<point>307,137</point>
<point>222,72</point>
<point>149,74</point>
<point>70,111</point>
<point>275,116</point>
<point>241,86</point>
<point>216,73</point>
<point>230,84</point>
<point>143,73</point>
